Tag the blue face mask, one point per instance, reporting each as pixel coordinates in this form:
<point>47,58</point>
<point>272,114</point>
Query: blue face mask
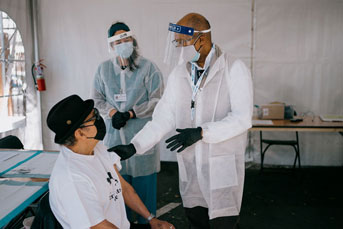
<point>190,54</point>
<point>124,50</point>
<point>196,56</point>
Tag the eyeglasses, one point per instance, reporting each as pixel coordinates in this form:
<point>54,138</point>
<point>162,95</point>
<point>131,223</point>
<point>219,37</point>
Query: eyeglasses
<point>95,117</point>
<point>186,41</point>
<point>180,42</point>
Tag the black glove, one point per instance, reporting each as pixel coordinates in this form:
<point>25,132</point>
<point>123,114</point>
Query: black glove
<point>124,151</point>
<point>185,138</point>
<point>119,119</point>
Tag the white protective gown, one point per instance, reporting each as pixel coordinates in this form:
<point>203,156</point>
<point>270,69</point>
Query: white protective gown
<point>143,88</point>
<point>211,171</point>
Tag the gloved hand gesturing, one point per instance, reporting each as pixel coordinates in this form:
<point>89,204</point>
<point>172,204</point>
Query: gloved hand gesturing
<point>119,119</point>
<point>124,151</point>
<point>185,138</point>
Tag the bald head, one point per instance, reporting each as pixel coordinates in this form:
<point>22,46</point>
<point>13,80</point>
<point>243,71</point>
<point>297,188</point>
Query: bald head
<point>195,21</point>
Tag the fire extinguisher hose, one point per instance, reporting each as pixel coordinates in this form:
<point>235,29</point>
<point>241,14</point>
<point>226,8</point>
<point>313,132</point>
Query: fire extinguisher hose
<point>33,75</point>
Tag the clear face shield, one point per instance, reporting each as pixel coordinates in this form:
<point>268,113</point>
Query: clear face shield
<point>180,44</point>
<point>121,45</point>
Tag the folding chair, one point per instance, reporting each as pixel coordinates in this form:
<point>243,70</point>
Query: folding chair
<point>293,143</point>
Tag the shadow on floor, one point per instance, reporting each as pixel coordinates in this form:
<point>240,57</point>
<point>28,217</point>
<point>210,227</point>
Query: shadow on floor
<point>278,198</point>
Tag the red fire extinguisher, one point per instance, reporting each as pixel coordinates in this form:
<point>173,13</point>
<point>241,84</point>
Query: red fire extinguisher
<point>37,74</point>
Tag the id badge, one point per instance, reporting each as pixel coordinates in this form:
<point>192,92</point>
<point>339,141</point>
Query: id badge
<point>120,97</point>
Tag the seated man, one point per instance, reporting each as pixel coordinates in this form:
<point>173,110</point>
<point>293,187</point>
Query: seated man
<point>86,189</point>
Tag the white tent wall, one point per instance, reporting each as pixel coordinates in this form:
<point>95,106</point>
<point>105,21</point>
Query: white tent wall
<point>299,60</point>
<point>31,135</point>
<point>297,56</point>
<point>73,39</point>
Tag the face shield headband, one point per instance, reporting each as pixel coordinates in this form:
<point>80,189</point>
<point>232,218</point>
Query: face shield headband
<point>117,39</point>
<point>178,38</point>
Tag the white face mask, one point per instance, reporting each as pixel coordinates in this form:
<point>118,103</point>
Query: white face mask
<point>124,50</point>
<point>190,54</point>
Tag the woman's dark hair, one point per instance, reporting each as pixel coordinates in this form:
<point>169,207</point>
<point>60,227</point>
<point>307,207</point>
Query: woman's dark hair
<point>132,60</point>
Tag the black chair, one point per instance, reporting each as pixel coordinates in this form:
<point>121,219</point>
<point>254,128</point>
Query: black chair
<point>44,217</point>
<point>11,142</point>
<point>293,143</point>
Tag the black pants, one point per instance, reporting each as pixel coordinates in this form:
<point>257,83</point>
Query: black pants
<point>139,226</point>
<point>198,219</point>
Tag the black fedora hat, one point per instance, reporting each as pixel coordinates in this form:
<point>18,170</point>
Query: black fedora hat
<point>67,115</point>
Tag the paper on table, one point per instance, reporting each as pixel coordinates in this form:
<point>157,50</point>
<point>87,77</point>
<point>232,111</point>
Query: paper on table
<point>7,155</point>
<point>13,194</point>
<point>39,166</point>
<point>262,122</point>
<point>17,157</point>
<point>331,118</point>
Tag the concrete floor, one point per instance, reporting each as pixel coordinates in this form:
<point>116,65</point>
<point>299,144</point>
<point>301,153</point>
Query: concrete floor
<point>278,198</point>
<point>168,192</point>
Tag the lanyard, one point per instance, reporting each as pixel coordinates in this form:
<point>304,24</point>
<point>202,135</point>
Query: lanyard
<point>196,86</point>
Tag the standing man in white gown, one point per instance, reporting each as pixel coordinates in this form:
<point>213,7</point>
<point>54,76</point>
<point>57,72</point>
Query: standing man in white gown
<point>209,101</point>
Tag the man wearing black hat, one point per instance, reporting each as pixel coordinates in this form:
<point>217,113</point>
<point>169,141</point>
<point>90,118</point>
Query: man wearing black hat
<point>126,89</point>
<point>86,189</point>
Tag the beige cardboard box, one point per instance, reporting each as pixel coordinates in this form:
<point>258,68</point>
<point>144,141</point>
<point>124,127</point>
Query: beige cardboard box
<point>272,111</point>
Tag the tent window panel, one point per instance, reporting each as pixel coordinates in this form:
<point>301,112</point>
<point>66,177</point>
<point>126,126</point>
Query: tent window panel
<point>12,69</point>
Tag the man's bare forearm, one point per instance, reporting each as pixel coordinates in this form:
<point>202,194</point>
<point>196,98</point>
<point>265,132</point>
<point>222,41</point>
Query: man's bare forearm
<point>132,199</point>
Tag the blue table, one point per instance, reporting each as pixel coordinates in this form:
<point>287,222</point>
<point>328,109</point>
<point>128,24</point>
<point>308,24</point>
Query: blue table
<point>16,196</point>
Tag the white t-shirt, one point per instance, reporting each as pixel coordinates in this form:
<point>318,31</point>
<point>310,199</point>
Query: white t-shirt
<point>85,189</point>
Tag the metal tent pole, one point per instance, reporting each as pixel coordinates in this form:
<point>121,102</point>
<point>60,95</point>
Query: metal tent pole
<point>34,13</point>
